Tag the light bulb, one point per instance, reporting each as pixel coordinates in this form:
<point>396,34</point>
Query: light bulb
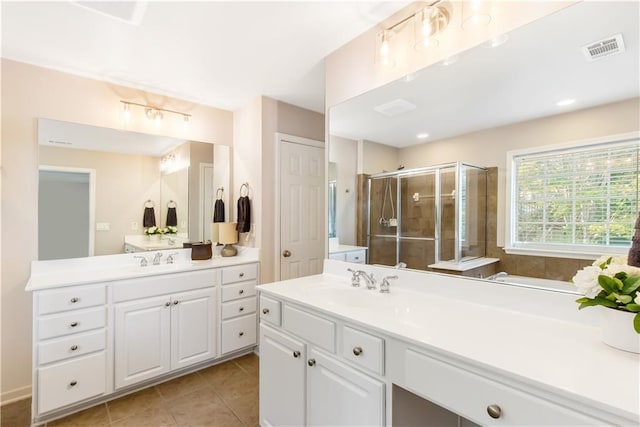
<point>126,114</point>
<point>158,118</point>
<point>185,124</point>
<point>427,28</point>
<point>384,47</point>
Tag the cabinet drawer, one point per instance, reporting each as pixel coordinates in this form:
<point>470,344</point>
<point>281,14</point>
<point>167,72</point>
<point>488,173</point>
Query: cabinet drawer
<point>470,395</point>
<point>356,256</point>
<point>57,300</point>
<point>238,307</point>
<point>310,327</point>
<point>56,325</point>
<point>340,256</point>
<point>238,333</point>
<point>270,310</point>
<point>70,382</point>
<point>71,346</point>
<point>363,349</point>
<point>238,290</point>
<point>239,273</point>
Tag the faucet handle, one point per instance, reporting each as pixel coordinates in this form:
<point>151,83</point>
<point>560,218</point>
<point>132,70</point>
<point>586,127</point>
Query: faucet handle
<point>143,260</point>
<point>170,257</point>
<point>384,286</point>
<point>355,278</point>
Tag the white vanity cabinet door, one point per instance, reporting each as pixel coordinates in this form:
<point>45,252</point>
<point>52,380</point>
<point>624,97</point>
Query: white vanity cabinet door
<point>193,327</point>
<point>340,395</point>
<point>142,338</point>
<point>282,379</point>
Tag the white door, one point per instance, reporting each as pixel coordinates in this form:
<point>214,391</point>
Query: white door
<point>302,212</point>
<point>339,395</point>
<point>282,385</point>
<point>193,327</point>
<point>142,342</point>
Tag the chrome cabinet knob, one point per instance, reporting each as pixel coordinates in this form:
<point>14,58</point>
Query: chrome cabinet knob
<point>241,274</point>
<point>74,300</point>
<point>296,354</point>
<point>176,302</point>
<point>286,253</point>
<point>357,351</point>
<point>311,362</point>
<point>265,311</point>
<point>74,347</point>
<point>494,411</point>
<point>241,334</point>
<point>73,383</point>
<point>73,324</point>
<point>241,309</point>
<point>241,291</point>
<point>167,304</point>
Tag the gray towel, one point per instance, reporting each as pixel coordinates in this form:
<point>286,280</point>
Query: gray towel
<point>172,217</point>
<point>244,215</point>
<point>218,211</point>
<point>149,218</point>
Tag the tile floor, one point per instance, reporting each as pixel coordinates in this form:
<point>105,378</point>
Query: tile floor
<point>222,395</point>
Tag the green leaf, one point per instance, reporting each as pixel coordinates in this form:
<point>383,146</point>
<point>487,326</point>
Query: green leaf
<point>634,308</point>
<point>607,283</point>
<point>636,323</point>
<point>583,299</point>
<point>604,264</point>
<point>631,284</point>
<point>625,299</point>
<point>598,301</point>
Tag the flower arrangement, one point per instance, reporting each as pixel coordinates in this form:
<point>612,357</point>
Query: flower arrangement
<point>611,283</point>
<point>169,229</point>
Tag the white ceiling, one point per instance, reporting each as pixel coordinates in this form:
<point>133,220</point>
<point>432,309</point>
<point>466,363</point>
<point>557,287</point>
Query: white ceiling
<point>540,64</point>
<point>217,53</point>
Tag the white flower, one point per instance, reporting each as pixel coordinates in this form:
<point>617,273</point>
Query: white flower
<point>615,259</point>
<point>613,269</point>
<point>586,280</point>
<point>637,300</point>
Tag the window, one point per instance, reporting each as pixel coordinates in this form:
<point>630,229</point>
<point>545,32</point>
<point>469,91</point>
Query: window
<point>581,200</point>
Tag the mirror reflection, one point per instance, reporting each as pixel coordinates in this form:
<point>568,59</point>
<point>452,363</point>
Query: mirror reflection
<point>541,87</point>
<point>104,191</point>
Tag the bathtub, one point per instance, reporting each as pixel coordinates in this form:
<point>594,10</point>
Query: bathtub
<point>534,282</point>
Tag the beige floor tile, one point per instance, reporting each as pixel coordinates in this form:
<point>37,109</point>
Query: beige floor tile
<point>250,363</point>
<point>217,374</point>
<point>203,408</point>
<point>16,414</point>
<point>154,417</point>
<point>246,407</point>
<point>180,386</point>
<point>95,416</point>
<point>131,404</point>
<point>236,385</point>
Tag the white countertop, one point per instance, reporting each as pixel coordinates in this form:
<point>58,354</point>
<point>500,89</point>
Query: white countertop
<point>534,336</point>
<point>345,248</point>
<point>153,243</point>
<point>78,271</point>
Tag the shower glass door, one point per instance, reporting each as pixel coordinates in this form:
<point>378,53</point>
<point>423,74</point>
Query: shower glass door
<point>383,220</point>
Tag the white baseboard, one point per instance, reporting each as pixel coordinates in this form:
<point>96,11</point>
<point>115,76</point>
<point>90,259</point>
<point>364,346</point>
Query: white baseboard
<point>15,395</point>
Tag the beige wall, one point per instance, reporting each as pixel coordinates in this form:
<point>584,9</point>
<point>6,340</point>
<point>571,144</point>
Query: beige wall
<point>344,152</point>
<point>30,92</point>
<point>378,158</point>
<point>123,183</point>
<point>489,147</point>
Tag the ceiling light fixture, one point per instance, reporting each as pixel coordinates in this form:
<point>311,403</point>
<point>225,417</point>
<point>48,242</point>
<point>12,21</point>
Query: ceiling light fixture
<point>428,23</point>
<point>422,135</point>
<point>152,113</point>
<point>475,14</point>
<point>565,102</point>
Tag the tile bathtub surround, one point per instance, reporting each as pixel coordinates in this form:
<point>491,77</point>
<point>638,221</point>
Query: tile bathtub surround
<point>221,395</point>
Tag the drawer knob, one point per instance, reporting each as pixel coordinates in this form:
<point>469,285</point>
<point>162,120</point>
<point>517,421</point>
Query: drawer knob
<point>241,334</point>
<point>265,311</point>
<point>494,411</point>
<point>73,324</point>
<point>241,274</point>
<point>241,291</point>
<point>296,354</point>
<point>357,351</point>
<point>73,383</point>
<point>167,304</point>
<point>176,302</point>
<point>74,300</point>
<point>241,309</point>
<point>74,347</point>
<point>311,362</point>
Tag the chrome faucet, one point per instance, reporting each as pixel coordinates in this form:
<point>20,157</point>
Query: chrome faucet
<point>400,265</point>
<point>156,258</point>
<point>368,277</point>
<point>498,275</point>
<point>170,258</point>
<point>143,260</point>
<point>384,286</point>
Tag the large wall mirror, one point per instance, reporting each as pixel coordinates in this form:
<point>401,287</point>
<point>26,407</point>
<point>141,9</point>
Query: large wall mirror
<point>100,189</point>
<point>535,86</point>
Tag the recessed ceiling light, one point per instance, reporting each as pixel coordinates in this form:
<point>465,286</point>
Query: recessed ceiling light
<point>565,102</point>
<point>450,60</point>
<point>422,135</point>
<point>496,41</point>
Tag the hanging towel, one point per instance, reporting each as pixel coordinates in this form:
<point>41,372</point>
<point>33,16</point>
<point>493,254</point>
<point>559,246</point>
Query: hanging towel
<point>244,215</point>
<point>149,217</point>
<point>172,217</point>
<point>218,211</point>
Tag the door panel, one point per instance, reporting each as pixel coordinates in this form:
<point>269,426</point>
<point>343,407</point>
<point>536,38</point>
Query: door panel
<point>193,327</point>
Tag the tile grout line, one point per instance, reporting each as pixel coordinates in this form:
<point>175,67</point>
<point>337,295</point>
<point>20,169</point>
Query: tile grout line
<point>229,407</point>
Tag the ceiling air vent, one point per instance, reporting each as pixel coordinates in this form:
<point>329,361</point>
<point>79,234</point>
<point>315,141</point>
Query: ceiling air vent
<point>395,107</point>
<point>605,47</point>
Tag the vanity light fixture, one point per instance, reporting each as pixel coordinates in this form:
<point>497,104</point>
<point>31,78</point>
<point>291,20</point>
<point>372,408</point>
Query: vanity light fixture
<point>423,135</point>
<point>475,14</point>
<point>496,41</point>
<point>565,102</point>
<point>152,113</point>
<point>449,60</point>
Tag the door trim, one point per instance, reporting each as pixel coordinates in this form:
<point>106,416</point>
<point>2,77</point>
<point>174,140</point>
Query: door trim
<point>281,138</point>
<point>92,196</point>
<point>201,204</point>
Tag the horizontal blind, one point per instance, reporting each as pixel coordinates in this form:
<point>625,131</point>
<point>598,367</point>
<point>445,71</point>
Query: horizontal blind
<point>584,196</point>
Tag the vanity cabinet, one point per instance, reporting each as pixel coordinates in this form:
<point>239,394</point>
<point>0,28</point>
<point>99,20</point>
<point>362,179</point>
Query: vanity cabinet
<point>156,335</point>
<point>69,346</point>
<point>304,377</point>
<point>239,323</point>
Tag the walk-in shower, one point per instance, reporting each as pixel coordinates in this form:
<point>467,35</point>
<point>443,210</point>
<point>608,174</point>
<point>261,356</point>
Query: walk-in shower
<point>427,215</point>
